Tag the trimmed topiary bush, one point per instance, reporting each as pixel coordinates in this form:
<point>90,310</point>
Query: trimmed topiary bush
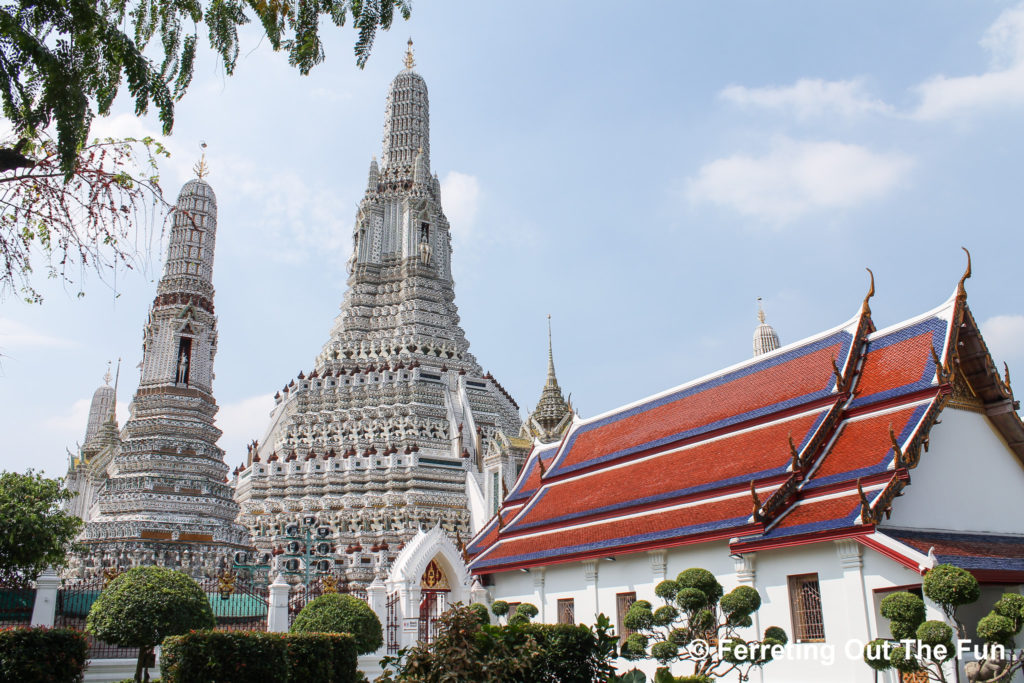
<point>481,612</point>
<point>950,586</point>
<point>338,613</point>
<point>42,655</point>
<point>143,606</point>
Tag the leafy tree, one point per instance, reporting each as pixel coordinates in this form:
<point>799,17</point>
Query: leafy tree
<point>35,532</point>
<point>696,616</point>
<point>91,220</point>
<point>144,605</point>
<point>337,613</point>
<point>62,62</point>
<point>950,588</point>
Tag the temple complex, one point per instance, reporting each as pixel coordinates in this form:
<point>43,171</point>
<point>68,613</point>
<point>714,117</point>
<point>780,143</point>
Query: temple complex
<point>386,433</point>
<point>157,493</point>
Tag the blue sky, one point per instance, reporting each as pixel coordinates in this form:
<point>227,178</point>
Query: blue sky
<point>642,177</point>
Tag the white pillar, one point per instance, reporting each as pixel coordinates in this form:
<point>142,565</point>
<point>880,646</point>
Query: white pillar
<point>858,622</point>
<point>538,588</point>
<point>480,594</point>
<point>746,575</point>
<point>277,613</point>
<point>590,573</point>
<point>376,596</point>
<point>659,565</point>
<point>44,611</point>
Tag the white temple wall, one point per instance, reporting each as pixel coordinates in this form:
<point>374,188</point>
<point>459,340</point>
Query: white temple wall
<point>970,469</point>
<point>852,581</point>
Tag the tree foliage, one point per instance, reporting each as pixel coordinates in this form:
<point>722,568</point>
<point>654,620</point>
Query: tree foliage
<point>467,648</point>
<point>62,62</point>
<point>144,605</point>
<point>696,616</point>
<point>95,219</point>
<point>337,613</point>
<point>35,532</point>
<point>932,646</point>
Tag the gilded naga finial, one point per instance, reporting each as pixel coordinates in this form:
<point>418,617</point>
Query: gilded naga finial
<point>961,291</point>
<point>409,62</point>
<point>865,307</point>
<point>201,169</point>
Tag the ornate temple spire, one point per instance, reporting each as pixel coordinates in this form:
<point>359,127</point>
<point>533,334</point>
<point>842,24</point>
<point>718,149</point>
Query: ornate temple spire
<point>165,498</point>
<point>373,177</point>
<point>101,408</point>
<point>406,122</point>
<point>551,409</point>
<point>765,337</point>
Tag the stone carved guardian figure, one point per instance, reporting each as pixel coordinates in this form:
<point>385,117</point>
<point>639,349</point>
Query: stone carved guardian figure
<point>182,377</point>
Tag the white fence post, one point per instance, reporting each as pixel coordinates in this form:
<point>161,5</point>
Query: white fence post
<point>277,612</point>
<point>44,611</point>
<point>376,595</point>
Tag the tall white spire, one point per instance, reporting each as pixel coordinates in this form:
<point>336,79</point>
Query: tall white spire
<point>765,337</point>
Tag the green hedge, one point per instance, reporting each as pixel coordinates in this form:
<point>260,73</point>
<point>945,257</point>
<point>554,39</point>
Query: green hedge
<point>42,655</point>
<point>246,656</point>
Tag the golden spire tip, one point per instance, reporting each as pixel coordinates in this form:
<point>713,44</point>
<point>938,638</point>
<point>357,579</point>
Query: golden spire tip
<point>201,169</point>
<point>409,62</point>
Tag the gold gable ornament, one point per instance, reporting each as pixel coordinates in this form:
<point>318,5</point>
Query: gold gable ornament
<point>434,578</point>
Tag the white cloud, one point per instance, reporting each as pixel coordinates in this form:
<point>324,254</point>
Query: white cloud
<point>798,177</point>
<point>460,195</point>
<point>241,422</point>
<point>298,217</point>
<point>1004,335</point>
<point>810,97</point>
<point>1001,86</point>
<point>73,419</point>
<point>16,335</point>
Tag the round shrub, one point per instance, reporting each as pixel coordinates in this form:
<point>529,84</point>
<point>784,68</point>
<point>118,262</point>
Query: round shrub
<point>666,590</point>
<point>638,618</point>
<point>951,586</point>
<point>518,619</point>
<point>1011,606</point>
<point>742,600</point>
<point>635,646</point>
<point>499,607</point>
<point>691,599</point>
<point>932,633</point>
<point>338,613</point>
<point>996,628</point>
<point>903,661</point>
<point>874,655</point>
<point>903,606</point>
<point>527,610</point>
<point>665,615</point>
<point>664,651</point>
<point>702,580</point>
<point>776,634</point>
<point>481,612</point>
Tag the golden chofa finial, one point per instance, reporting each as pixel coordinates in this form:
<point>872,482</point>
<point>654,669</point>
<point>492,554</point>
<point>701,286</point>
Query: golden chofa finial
<point>201,169</point>
<point>760,311</point>
<point>409,63</point>
<point>961,291</point>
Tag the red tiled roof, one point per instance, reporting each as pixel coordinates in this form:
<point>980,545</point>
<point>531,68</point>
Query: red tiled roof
<point>674,469</point>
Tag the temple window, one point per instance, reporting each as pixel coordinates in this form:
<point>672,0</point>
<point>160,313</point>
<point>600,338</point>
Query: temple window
<point>805,608</point>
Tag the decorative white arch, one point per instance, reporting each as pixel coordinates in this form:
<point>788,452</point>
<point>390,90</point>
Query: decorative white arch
<point>435,544</point>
